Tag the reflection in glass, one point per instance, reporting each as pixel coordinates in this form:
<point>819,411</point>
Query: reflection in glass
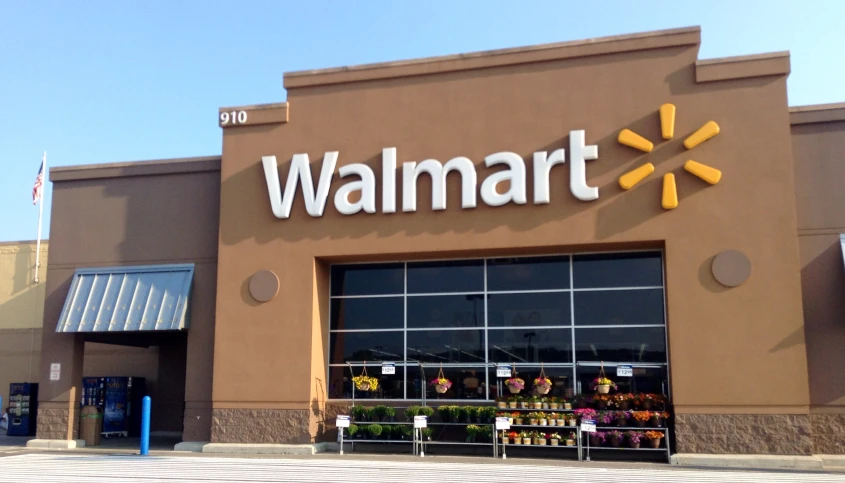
<point>368,313</point>
<point>618,270</point>
<point>530,345</point>
<point>621,344</point>
<point>446,346</point>
<point>445,311</point>
<point>389,387</point>
<point>467,383</point>
<point>528,309</point>
<point>369,279</point>
<point>645,379</point>
<point>366,346</point>
<point>619,307</point>
<point>530,273</point>
<point>442,277</point>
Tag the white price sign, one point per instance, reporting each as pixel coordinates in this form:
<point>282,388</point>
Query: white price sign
<point>420,422</point>
<point>624,371</point>
<point>588,426</point>
<point>503,371</point>
<point>503,423</point>
<point>55,371</point>
<point>342,421</point>
<point>388,369</point>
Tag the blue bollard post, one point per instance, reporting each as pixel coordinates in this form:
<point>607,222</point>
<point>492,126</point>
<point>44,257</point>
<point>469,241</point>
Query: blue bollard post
<point>145,426</point>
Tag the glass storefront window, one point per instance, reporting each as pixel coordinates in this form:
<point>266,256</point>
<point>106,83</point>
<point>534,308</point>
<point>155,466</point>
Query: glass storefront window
<point>389,387</point>
<point>646,379</point>
<point>470,315</point>
<point>374,279</point>
<point>619,307</point>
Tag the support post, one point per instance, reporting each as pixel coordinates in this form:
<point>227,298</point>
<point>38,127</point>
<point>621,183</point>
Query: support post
<point>145,425</point>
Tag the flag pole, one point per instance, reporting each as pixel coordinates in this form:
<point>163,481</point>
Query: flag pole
<point>40,213</point>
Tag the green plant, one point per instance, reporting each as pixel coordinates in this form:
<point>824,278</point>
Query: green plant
<point>454,413</point>
<point>426,411</point>
<point>443,411</point>
<point>364,430</point>
<point>426,433</point>
<point>533,399</point>
<point>379,412</point>
<point>359,413</point>
<point>390,413</point>
<point>412,411</point>
<point>352,430</point>
<point>375,430</point>
<point>472,432</point>
<point>489,413</point>
<point>407,432</point>
<point>386,431</point>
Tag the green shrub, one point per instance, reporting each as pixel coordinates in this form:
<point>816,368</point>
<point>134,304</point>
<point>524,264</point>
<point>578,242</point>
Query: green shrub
<point>352,430</point>
<point>375,430</point>
<point>426,433</point>
<point>426,411</point>
<point>390,412</point>
<point>411,412</point>
<point>359,413</point>
<point>407,431</point>
<point>444,413</point>
<point>379,412</point>
<point>387,431</point>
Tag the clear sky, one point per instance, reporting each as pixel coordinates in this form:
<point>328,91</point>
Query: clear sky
<point>107,81</point>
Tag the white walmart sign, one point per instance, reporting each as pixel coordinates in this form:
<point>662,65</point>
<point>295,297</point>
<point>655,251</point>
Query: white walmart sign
<point>315,199</point>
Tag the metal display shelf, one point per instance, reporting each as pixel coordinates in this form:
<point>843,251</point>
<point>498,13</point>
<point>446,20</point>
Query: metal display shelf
<point>535,409</point>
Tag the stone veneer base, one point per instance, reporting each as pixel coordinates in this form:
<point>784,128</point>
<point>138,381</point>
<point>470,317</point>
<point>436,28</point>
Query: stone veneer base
<point>261,426</point>
<point>828,433</point>
<point>53,424</point>
<point>744,434</point>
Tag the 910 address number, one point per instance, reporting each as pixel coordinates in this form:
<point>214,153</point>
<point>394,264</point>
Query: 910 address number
<point>234,117</point>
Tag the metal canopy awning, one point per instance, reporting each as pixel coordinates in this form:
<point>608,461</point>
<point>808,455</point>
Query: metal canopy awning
<point>127,299</point>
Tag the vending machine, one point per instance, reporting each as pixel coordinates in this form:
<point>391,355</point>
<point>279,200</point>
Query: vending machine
<point>23,408</point>
<point>120,399</point>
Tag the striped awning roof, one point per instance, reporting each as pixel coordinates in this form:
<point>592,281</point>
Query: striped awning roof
<point>127,299</point>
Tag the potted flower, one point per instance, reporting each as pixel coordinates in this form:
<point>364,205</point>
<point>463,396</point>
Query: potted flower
<point>622,401</point>
<point>514,436</point>
<point>554,402</point>
<point>515,384</point>
<point>501,403</point>
<point>488,414</point>
<point>526,437</point>
<point>542,384</point>
<point>585,413</point>
<point>567,404</point>
<point>621,417</point>
<point>505,415</point>
<point>539,438</point>
<point>517,418</point>
<point>634,438</point>
<point>554,438</point>
<point>570,439</point>
<point>603,418</point>
<point>533,419</point>
<point>601,401</point>
<point>553,418</point>
<point>654,438</point>
<point>505,438</point>
<point>512,401</point>
<point>657,418</point>
<point>467,413</point>
<point>523,403</point>
<point>541,419</point>
<point>597,438</point>
<point>571,421</point>
<point>443,411</point>
<point>614,438</point>
<point>455,414</point>
<point>545,402</point>
<point>365,382</point>
<point>602,385</point>
<point>472,432</point>
<point>441,384</point>
<point>646,401</point>
<point>640,417</point>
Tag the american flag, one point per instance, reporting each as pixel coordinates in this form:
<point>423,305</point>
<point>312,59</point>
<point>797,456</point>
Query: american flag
<point>39,183</point>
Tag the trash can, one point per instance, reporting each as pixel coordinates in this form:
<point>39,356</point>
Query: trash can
<point>91,425</point>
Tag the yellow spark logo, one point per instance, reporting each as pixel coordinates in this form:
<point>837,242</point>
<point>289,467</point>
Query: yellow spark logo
<point>667,125</point>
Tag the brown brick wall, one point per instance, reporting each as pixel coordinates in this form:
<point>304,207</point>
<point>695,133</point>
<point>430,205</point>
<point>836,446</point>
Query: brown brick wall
<point>53,424</point>
<point>279,426</point>
<point>743,434</point>
<point>828,433</point>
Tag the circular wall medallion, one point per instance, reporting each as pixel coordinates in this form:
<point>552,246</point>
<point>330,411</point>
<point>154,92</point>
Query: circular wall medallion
<point>731,268</point>
<point>264,285</point>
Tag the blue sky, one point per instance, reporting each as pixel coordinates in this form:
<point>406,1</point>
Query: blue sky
<point>106,81</point>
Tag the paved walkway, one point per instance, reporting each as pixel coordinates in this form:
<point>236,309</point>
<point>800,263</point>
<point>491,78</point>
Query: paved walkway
<point>60,468</point>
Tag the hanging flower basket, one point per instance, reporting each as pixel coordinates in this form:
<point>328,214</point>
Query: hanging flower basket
<point>440,383</point>
<point>365,382</point>
<point>515,385</point>
<point>602,384</point>
<point>542,384</point>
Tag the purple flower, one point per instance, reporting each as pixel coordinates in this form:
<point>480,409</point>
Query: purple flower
<point>634,436</point>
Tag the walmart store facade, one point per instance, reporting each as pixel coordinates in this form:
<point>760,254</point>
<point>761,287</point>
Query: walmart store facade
<point>572,206</point>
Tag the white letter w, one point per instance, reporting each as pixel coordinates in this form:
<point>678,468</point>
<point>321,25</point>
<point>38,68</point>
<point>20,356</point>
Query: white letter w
<point>300,171</point>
